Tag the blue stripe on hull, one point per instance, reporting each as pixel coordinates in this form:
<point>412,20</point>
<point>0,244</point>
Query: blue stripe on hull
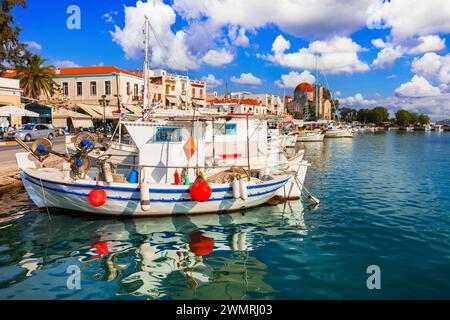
<point>137,189</point>
<point>82,194</point>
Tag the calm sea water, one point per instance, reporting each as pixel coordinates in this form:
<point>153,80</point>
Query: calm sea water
<point>385,202</point>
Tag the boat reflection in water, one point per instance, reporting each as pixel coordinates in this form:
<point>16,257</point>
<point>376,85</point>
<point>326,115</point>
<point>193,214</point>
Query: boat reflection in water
<point>195,257</point>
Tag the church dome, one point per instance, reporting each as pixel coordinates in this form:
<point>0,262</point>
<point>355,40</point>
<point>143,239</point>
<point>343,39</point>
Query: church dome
<point>304,86</point>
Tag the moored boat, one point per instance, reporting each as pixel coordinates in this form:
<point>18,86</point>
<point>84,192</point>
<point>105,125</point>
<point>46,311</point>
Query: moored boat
<point>170,155</point>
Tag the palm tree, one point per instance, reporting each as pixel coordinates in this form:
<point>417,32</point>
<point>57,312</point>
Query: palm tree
<point>36,79</point>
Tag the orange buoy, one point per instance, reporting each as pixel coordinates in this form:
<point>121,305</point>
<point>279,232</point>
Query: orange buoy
<point>200,190</point>
<point>200,244</point>
<point>97,197</point>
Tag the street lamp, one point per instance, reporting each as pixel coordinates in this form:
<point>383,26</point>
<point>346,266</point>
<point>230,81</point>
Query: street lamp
<point>104,102</point>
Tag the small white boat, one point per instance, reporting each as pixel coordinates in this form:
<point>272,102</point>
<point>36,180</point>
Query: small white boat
<point>409,129</point>
<point>310,136</point>
<point>439,128</point>
<point>427,128</point>
<point>338,131</point>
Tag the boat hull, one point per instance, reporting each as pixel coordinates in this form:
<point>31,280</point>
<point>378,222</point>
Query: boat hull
<point>125,200</point>
<point>341,133</point>
<point>311,138</point>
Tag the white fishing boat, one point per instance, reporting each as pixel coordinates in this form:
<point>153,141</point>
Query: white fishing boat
<point>310,136</point>
<point>439,128</point>
<point>337,131</point>
<point>427,128</point>
<point>409,128</point>
<point>170,153</point>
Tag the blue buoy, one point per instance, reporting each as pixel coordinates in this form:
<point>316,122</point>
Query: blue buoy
<point>84,142</point>
<point>41,148</point>
<point>79,163</point>
<point>133,176</point>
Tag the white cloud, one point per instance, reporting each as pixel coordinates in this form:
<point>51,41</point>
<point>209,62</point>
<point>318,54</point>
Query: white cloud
<point>387,56</point>
<point>391,51</point>
<point>428,44</point>
<point>168,50</point>
<point>428,65</point>
<point>65,64</point>
<point>246,79</point>
<point>417,87</point>
<point>409,18</point>
<point>238,36</point>
<point>293,78</point>
<point>33,45</point>
<point>337,55</point>
<point>108,17</point>
<point>218,57</point>
<point>211,81</point>
<point>357,100</point>
<point>299,18</point>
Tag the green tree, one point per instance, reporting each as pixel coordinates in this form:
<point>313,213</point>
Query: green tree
<point>12,51</point>
<point>403,117</point>
<point>36,79</point>
<point>379,115</point>
<point>413,118</point>
<point>363,115</point>
<point>348,114</point>
<point>423,119</point>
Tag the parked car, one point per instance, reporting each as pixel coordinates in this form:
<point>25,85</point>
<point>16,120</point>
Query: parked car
<point>30,132</point>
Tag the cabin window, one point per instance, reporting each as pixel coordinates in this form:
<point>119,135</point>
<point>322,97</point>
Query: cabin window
<point>227,129</point>
<point>168,135</point>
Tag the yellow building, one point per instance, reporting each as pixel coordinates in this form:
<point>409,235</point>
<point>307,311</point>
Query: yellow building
<point>10,94</point>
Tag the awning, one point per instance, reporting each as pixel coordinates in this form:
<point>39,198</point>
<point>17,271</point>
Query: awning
<point>172,100</point>
<point>134,109</point>
<point>64,113</point>
<point>13,111</point>
<point>90,111</point>
<point>82,123</point>
<point>59,122</point>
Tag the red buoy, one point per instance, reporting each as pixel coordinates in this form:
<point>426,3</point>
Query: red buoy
<point>200,244</point>
<point>97,197</point>
<point>101,247</point>
<point>200,190</point>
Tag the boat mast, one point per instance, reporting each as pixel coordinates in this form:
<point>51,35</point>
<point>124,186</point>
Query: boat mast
<point>146,63</point>
<point>317,91</point>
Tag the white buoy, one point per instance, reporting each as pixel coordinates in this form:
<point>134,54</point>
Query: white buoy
<point>243,189</point>
<point>145,196</point>
<point>66,171</point>
<point>236,188</point>
<point>107,171</point>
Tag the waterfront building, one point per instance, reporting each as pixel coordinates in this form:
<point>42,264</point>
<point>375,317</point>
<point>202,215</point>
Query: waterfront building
<point>10,94</point>
<point>251,106</point>
<point>172,91</point>
<point>272,102</point>
<point>310,101</point>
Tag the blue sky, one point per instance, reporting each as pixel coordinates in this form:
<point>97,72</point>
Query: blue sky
<point>372,52</point>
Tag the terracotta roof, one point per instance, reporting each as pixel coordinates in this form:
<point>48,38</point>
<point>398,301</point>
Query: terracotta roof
<point>92,70</point>
<point>80,71</point>
<point>253,102</point>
